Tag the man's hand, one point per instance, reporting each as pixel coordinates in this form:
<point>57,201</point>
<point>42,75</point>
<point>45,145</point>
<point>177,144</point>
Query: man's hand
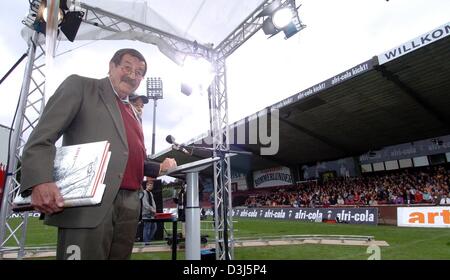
<point>168,163</point>
<point>46,198</point>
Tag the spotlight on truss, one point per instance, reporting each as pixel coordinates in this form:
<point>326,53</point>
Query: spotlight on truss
<point>69,18</point>
<point>197,74</point>
<point>281,17</point>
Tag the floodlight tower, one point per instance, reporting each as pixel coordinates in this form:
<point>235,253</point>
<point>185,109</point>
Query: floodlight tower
<point>154,92</point>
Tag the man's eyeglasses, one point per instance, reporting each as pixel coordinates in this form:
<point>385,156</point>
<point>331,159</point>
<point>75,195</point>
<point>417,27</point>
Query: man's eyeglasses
<point>128,70</point>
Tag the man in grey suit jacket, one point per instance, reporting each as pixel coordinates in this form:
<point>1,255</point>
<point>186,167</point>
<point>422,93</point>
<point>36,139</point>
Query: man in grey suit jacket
<point>86,110</point>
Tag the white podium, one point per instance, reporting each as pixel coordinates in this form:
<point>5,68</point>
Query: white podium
<point>192,211</point>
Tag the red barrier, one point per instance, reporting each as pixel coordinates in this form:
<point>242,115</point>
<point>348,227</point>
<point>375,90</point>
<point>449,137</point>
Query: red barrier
<point>2,178</point>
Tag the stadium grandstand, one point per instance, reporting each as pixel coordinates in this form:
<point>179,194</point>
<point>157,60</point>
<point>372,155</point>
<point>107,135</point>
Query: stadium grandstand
<point>375,135</point>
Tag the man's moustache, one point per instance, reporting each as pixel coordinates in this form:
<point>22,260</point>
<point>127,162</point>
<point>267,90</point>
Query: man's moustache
<point>129,81</point>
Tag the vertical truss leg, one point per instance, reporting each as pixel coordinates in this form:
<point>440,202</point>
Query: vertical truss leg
<point>222,173</point>
<point>30,107</point>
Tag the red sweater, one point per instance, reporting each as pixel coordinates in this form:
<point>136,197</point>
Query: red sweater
<point>134,172</point>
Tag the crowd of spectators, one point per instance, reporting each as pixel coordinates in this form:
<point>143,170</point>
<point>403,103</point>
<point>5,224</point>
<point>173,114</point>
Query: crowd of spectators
<point>408,186</point>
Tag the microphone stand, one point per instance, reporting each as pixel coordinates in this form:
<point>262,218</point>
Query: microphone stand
<point>221,151</point>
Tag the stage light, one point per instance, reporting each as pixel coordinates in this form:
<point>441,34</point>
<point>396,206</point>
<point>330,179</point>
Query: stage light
<point>69,20</point>
<point>67,4</point>
<point>197,74</point>
<point>64,7</point>
<point>60,15</point>
<point>71,23</point>
<point>186,89</point>
<point>281,17</point>
<point>269,28</point>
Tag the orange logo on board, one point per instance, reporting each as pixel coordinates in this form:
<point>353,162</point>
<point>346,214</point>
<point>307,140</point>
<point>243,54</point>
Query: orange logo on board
<point>429,217</point>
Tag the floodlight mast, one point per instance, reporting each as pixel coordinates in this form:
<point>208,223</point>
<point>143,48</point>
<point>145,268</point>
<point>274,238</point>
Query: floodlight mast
<point>176,48</point>
<point>154,92</point>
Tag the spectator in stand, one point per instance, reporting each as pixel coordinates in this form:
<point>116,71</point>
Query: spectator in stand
<point>427,198</point>
<point>418,197</point>
<point>373,202</point>
<point>398,199</point>
<point>406,196</point>
<point>340,200</point>
<point>445,200</point>
<point>373,189</point>
<point>333,200</point>
<point>325,201</point>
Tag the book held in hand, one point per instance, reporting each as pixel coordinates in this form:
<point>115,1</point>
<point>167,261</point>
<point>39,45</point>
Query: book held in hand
<point>79,171</point>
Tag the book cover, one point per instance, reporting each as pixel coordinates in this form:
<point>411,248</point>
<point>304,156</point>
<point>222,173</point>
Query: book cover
<point>79,171</point>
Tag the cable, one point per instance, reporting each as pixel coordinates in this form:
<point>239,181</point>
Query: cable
<point>10,133</point>
<point>9,148</point>
<point>10,128</point>
<point>70,50</point>
<point>13,67</point>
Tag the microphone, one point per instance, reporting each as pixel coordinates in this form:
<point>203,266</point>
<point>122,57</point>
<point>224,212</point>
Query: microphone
<point>171,140</point>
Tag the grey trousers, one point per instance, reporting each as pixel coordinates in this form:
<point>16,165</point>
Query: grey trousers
<point>113,239</point>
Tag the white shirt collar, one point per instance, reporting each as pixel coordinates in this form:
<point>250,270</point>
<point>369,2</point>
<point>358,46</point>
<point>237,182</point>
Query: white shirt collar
<point>124,100</point>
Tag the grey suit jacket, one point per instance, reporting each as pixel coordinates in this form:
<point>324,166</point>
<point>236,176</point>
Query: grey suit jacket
<point>82,110</point>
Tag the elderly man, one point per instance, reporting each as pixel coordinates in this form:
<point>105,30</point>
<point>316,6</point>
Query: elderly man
<point>88,110</point>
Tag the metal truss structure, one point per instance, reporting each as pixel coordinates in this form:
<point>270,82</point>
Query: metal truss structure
<point>175,48</point>
<point>223,216</point>
<point>220,131</point>
<point>30,107</point>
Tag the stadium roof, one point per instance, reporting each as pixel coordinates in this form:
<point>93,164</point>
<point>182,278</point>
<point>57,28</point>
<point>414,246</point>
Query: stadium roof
<point>396,97</point>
